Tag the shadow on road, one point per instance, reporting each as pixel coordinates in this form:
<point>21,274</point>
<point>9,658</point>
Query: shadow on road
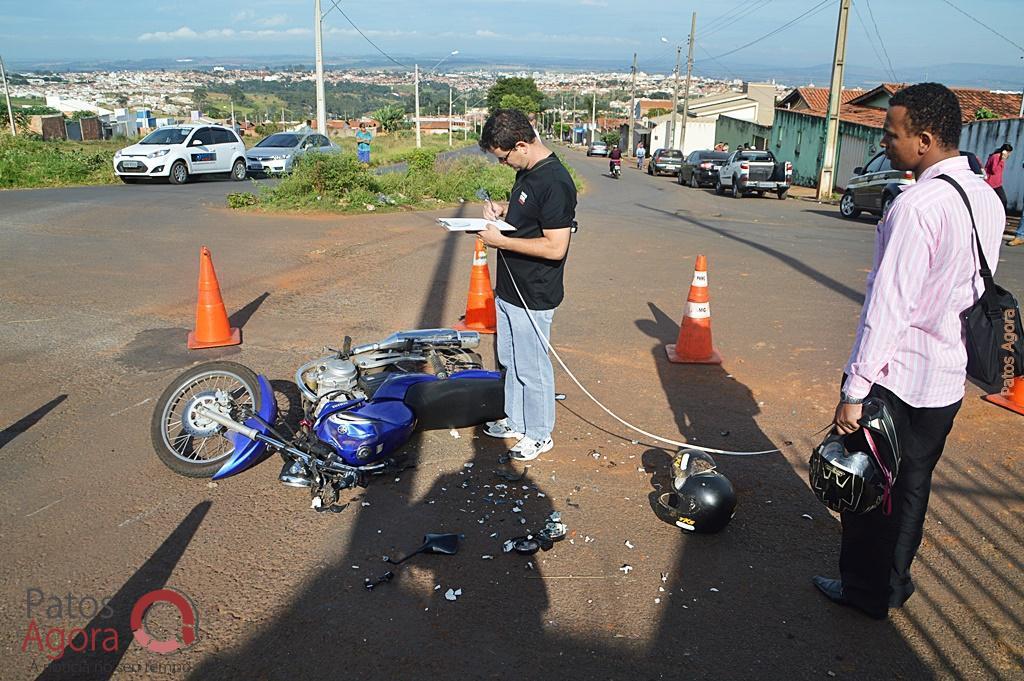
<point>240,317</point>
<point>794,263</point>
<point>24,423</point>
<point>82,658</point>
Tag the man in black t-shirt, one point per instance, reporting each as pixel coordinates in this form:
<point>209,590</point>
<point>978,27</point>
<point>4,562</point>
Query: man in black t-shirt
<point>531,261</point>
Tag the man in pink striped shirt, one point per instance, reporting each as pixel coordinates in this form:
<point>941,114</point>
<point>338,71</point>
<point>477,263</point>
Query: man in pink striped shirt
<point>909,350</point>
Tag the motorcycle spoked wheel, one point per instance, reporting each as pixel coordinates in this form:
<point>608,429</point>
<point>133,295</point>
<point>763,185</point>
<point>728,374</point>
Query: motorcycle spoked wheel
<point>188,443</point>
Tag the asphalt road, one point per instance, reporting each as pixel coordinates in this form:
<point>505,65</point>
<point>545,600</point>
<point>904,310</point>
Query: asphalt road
<point>98,289</point>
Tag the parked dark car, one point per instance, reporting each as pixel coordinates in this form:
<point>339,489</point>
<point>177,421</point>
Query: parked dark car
<point>701,168</point>
<point>665,161</point>
<point>873,188</point>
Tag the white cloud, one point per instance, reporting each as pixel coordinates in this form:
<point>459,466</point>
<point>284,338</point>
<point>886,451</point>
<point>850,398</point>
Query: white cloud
<point>485,34</point>
<point>185,33</point>
<point>593,3</point>
<point>244,15</point>
<point>276,20</point>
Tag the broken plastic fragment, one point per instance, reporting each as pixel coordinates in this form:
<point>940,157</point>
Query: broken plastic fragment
<point>629,545</point>
<point>365,504</point>
<point>452,594</point>
<point>487,556</point>
<point>454,433</point>
<point>626,568</point>
<point>664,577</point>
<point>713,589</point>
<point>807,515</point>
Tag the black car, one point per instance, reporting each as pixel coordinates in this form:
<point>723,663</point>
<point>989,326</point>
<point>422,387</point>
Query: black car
<point>701,168</point>
<point>665,161</point>
<point>873,188</point>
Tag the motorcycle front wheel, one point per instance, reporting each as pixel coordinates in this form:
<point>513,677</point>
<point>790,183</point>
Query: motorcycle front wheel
<point>189,443</point>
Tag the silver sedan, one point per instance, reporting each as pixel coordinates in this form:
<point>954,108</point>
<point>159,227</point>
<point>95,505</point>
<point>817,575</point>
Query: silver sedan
<point>279,152</point>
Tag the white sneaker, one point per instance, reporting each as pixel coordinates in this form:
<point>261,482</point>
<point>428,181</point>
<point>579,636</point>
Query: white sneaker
<point>501,429</point>
<point>529,449</point>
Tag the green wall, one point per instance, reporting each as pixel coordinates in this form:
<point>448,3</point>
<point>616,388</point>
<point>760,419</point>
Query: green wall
<point>737,132</point>
<point>800,139</point>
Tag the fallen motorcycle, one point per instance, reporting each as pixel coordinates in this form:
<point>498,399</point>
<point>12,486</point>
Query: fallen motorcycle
<point>359,404</point>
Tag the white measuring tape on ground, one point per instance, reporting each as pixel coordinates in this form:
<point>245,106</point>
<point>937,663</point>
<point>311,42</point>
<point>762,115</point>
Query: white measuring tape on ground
<point>704,309</point>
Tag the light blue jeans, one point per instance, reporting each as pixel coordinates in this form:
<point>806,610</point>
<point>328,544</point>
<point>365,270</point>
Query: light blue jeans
<point>529,377</point>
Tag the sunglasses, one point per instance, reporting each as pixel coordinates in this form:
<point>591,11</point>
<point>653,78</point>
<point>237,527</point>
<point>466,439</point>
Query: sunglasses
<point>504,159</point>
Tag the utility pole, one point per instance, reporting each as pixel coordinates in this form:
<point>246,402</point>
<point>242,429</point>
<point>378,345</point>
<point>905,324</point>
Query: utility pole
<point>675,101</point>
<point>827,180</point>
<point>7,94</point>
<point>572,120</point>
<point>593,117</point>
<point>449,115</point>
<point>465,120</point>
<point>632,109</point>
<point>417,71</point>
<point>321,103</point>
<point>232,114</point>
<point>561,120</point>
<point>686,90</point>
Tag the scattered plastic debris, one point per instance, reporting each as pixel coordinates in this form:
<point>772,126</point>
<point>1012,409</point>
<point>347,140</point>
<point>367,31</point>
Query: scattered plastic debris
<point>626,568</point>
<point>657,600</point>
<point>629,545</point>
<point>487,556</point>
<point>365,504</point>
<point>635,442</point>
<point>211,484</point>
<point>587,539</point>
<point>664,577</point>
<point>596,454</point>
<point>454,433</point>
<point>371,584</point>
<point>452,594</point>
<point>468,464</point>
<point>724,433</point>
<point>437,587</point>
<point>807,515</point>
<point>713,589</point>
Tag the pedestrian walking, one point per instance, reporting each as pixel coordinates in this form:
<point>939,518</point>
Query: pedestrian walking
<point>909,351</point>
<point>363,139</point>
<point>531,262</point>
<point>641,152</point>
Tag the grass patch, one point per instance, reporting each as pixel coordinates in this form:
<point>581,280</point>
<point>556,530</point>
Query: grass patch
<point>26,162</point>
<point>339,183</point>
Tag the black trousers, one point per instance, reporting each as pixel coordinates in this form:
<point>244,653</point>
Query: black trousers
<point>1001,193</point>
<point>877,549</point>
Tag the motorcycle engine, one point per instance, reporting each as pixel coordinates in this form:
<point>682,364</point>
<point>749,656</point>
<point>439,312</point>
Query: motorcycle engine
<point>337,376</point>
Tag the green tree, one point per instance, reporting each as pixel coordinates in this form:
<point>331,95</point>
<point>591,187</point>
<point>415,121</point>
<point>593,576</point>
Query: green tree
<point>984,113</point>
<point>522,93</point>
<point>611,138</point>
<point>390,116</point>
<point>651,113</point>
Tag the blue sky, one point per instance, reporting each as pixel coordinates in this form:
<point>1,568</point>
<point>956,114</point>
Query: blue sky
<point>914,32</point>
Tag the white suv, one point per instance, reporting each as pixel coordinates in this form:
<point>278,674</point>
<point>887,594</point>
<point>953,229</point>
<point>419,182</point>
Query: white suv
<point>178,151</point>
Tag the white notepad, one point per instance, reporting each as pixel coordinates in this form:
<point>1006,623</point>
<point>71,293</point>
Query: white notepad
<point>473,224</point>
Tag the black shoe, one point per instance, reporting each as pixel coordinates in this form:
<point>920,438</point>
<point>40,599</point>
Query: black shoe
<point>833,590</point>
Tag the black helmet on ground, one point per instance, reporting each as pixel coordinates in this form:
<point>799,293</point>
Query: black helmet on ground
<point>704,500</point>
<point>855,473</point>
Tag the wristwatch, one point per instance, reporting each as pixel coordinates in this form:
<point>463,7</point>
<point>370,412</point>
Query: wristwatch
<point>846,399</point>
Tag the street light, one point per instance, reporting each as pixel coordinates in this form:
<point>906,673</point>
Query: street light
<point>417,76</point>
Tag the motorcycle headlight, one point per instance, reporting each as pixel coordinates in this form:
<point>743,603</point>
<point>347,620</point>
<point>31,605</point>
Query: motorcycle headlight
<point>158,153</point>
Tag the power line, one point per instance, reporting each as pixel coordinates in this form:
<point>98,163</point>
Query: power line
<point>752,8</point>
<point>984,25</point>
<point>871,40</point>
<point>881,42</point>
<point>724,67</point>
<point>725,18</point>
<point>813,10</point>
<point>359,31</point>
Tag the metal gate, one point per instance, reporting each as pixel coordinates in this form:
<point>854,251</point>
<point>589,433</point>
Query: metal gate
<point>853,151</point>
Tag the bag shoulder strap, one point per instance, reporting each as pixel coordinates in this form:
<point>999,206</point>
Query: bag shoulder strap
<point>984,270</point>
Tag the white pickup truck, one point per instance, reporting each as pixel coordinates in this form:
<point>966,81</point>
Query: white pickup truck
<point>750,171</point>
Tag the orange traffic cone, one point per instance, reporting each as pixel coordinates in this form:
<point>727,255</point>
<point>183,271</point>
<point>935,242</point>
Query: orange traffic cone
<point>1011,397</point>
<point>480,313</point>
<point>694,343</point>
<point>212,327</point>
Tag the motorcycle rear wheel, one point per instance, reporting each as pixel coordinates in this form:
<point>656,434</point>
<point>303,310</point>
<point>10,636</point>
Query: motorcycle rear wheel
<point>184,441</point>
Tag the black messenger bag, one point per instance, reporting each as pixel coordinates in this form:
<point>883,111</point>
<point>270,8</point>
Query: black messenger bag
<point>995,338</point>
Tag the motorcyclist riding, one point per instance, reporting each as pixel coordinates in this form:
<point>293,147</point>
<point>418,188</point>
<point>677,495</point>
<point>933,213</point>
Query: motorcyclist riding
<point>614,158</point>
